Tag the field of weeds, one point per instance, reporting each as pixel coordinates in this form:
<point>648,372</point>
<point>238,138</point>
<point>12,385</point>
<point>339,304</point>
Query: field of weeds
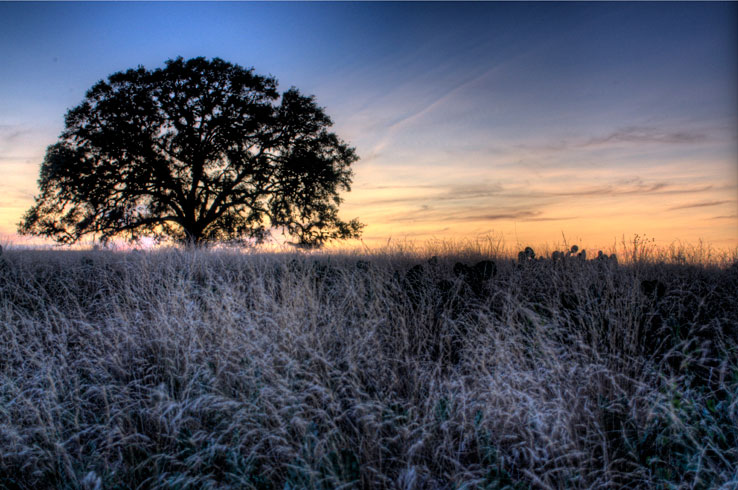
<point>217,369</point>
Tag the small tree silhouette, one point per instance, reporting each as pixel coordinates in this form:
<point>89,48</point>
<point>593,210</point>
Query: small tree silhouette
<point>198,151</point>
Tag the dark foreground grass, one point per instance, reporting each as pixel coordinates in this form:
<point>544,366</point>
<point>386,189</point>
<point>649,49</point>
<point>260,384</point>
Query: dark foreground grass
<point>197,369</point>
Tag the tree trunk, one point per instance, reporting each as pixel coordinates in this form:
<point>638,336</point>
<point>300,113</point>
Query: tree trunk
<point>193,234</point>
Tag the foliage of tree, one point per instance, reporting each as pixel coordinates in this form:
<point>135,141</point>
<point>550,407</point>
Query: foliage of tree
<point>198,151</point>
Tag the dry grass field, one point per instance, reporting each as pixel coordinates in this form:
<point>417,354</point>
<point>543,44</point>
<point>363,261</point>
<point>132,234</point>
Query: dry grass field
<point>395,369</point>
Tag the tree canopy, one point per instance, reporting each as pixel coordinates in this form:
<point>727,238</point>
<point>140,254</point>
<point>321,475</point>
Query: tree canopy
<point>198,151</point>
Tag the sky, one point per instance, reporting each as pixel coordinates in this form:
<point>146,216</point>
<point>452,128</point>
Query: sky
<point>530,122</point>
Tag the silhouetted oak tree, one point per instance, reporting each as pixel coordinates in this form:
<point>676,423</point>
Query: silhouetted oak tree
<point>198,151</point>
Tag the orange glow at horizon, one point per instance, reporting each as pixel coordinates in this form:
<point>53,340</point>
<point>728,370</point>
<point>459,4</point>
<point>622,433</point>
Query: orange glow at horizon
<point>584,122</point>
<point>596,207</point>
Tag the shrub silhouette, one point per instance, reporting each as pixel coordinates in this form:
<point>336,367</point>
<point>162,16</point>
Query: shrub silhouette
<point>527,255</point>
<point>653,289</point>
<point>476,276</point>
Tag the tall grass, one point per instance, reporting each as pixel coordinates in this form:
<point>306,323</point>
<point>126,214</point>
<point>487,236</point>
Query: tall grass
<point>213,369</point>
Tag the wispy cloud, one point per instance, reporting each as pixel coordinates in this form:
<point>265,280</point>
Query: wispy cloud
<point>438,193</point>
<point>646,134</point>
<point>470,191</point>
<point>623,188</point>
<point>516,215</point>
<point>11,132</point>
<point>629,135</point>
<point>454,193</point>
<point>393,128</point>
<point>553,218</point>
<point>702,204</point>
<point>399,187</point>
<point>23,159</point>
<point>617,189</point>
<point>431,214</point>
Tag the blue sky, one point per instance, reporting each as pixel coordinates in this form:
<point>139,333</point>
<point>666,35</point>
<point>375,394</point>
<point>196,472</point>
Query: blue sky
<point>529,120</point>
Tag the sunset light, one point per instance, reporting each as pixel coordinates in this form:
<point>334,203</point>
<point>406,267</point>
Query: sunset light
<point>530,121</point>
